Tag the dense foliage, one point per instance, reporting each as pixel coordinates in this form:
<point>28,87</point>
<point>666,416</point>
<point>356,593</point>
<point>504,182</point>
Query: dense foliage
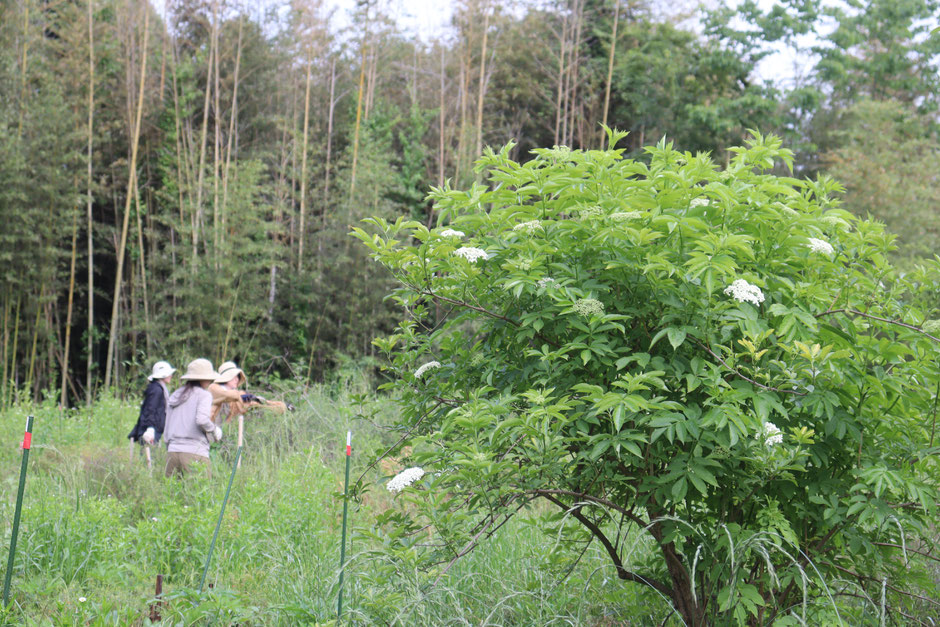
<point>722,358</point>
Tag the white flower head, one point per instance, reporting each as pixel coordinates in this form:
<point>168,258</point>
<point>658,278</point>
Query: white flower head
<point>836,222</point>
<point>470,253</point>
<point>619,216</point>
<point>589,307</point>
<point>742,291</point>
<point>154,519</point>
<point>591,212</point>
<point>82,599</point>
<point>404,479</point>
<point>546,281</point>
<point>931,326</point>
<point>770,435</point>
<point>820,246</point>
<point>451,233</point>
<point>532,226</point>
<point>428,366</point>
<point>698,202</point>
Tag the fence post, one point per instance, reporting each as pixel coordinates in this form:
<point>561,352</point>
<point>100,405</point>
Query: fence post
<point>342,546</point>
<point>27,442</point>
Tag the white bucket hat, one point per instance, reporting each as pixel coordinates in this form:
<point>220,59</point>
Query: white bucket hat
<point>161,370</point>
<point>228,371</point>
<point>200,370</point>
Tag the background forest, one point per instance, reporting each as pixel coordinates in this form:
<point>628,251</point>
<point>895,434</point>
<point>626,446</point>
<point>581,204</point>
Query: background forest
<point>180,179</point>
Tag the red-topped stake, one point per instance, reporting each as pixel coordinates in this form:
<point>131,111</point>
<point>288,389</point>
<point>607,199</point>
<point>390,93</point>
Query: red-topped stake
<point>27,442</point>
<point>348,443</point>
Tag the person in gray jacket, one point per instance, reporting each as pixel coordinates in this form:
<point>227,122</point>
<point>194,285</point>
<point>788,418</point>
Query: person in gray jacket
<point>189,427</point>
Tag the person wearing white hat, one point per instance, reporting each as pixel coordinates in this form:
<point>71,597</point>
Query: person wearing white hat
<point>152,416</point>
<point>189,426</point>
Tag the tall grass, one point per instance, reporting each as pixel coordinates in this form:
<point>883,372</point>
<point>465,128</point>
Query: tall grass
<point>98,527</point>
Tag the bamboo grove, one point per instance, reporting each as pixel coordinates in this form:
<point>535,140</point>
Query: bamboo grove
<point>181,177</point>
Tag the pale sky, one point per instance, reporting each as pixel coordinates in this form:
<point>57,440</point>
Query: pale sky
<point>430,19</point>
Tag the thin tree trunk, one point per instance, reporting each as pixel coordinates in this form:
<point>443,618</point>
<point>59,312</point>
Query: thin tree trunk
<point>610,68</point>
<point>303,164</point>
<point>482,87</point>
<point>68,314</point>
<point>112,336</point>
<point>88,214</point>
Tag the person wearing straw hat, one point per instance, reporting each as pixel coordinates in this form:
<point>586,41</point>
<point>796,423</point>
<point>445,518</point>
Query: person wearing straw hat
<point>189,426</point>
<point>228,401</point>
<point>152,416</point>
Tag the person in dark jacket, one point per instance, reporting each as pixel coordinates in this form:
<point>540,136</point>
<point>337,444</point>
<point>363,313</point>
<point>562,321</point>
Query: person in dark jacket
<point>152,418</point>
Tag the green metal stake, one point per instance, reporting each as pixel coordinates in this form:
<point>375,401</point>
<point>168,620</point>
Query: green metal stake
<point>215,535</point>
<point>342,546</point>
<point>27,442</point>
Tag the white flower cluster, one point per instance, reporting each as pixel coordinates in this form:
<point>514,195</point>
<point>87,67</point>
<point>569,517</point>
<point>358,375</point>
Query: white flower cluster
<point>428,366</point>
<point>452,233</point>
<point>742,291</point>
<point>404,479</point>
<point>530,227</point>
<point>836,222</point>
<point>470,253</point>
<point>561,153</point>
<point>698,202</point>
<point>589,307</point>
<point>619,216</point>
<point>546,281</point>
<point>820,246</point>
<point>770,434</point>
<point>591,212</point>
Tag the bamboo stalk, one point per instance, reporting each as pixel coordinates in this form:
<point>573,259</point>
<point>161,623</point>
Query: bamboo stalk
<point>362,76</point>
<point>301,235</point>
<point>90,224</point>
<point>216,144</point>
<point>482,85</point>
<point>143,265</point>
<point>32,351</point>
<point>610,68</point>
<point>16,336</point>
<point>231,126</point>
<point>112,336</point>
<point>329,154</point>
<point>6,343</point>
<point>197,214</point>
<point>441,116</point>
<point>68,315</point>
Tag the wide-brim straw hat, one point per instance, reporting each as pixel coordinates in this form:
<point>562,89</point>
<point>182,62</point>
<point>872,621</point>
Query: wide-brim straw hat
<point>161,370</point>
<point>228,371</point>
<point>200,370</point>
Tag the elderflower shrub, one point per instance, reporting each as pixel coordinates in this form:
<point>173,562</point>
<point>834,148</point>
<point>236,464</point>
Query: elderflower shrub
<point>693,375</point>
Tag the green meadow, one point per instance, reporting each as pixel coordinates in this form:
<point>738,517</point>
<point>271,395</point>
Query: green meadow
<point>97,528</point>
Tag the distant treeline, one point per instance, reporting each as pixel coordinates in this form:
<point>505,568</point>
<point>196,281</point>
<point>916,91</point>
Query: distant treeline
<point>182,182</point>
